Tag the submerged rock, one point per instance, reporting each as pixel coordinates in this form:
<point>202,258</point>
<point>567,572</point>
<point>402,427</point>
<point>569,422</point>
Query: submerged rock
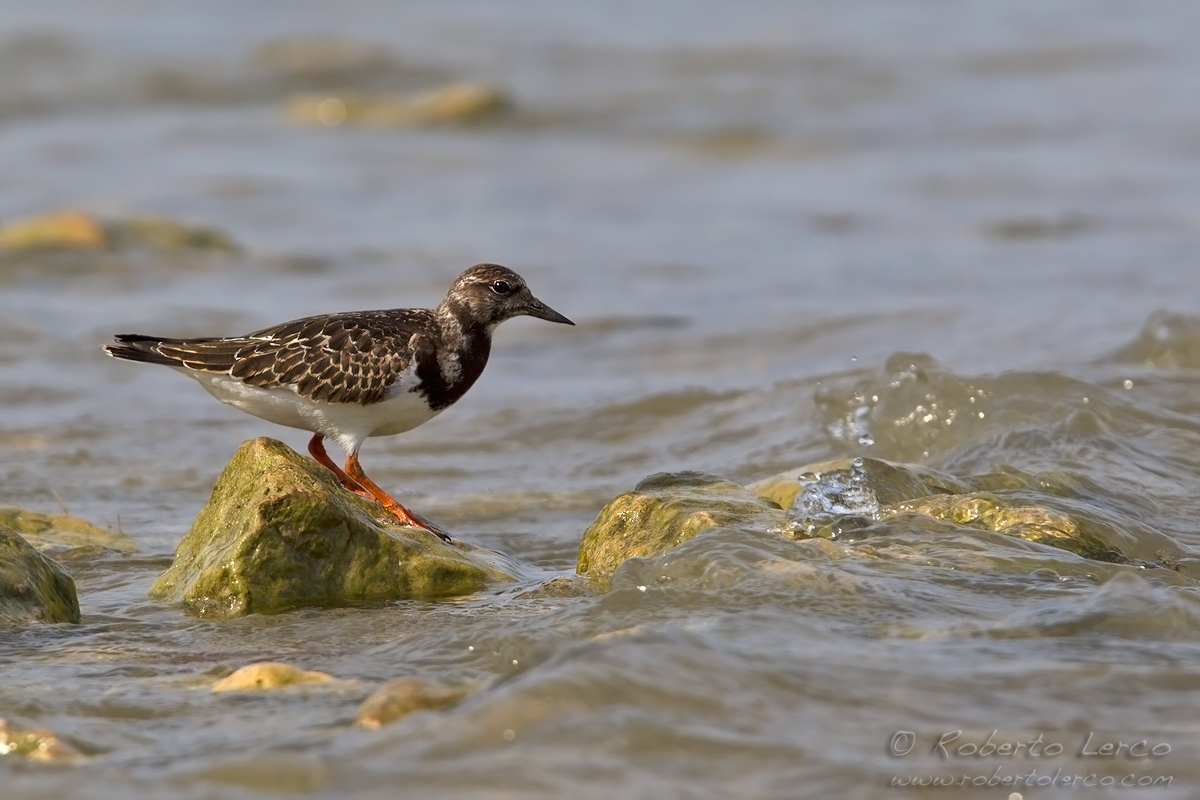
<point>1167,340</point>
<point>563,586</point>
<point>833,498</point>
<point>268,675</point>
<point>36,744</point>
<point>665,510</point>
<point>279,532</point>
<point>52,532</point>
<point>402,696</point>
<point>33,588</point>
<point>455,103</point>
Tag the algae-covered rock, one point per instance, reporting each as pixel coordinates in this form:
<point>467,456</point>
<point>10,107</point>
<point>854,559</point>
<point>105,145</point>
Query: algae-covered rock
<point>1080,528</point>
<point>36,744</point>
<point>455,103</point>
<point>268,675</point>
<point>279,532</point>
<point>991,512</point>
<point>665,510</point>
<point>55,531</point>
<point>402,696</point>
<point>833,498</point>
<point>32,587</point>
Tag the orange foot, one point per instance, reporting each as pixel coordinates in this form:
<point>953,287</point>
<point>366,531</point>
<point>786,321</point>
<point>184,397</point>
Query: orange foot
<point>354,479</point>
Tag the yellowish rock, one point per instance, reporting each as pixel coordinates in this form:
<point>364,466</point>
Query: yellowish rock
<point>72,229</point>
<point>455,103</point>
<point>79,230</point>
<point>402,696</point>
<point>268,675</point>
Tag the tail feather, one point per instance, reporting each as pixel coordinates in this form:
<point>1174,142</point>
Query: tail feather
<point>147,349</point>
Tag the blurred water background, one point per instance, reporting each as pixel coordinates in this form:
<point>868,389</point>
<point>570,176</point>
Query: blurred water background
<point>748,208</point>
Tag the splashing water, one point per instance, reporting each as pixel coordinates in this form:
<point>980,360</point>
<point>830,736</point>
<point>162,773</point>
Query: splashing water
<point>833,502</point>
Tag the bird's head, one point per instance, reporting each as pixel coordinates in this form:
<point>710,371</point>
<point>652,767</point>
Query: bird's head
<point>488,294</point>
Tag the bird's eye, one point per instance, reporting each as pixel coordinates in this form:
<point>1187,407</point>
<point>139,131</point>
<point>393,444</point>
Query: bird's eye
<point>501,287</point>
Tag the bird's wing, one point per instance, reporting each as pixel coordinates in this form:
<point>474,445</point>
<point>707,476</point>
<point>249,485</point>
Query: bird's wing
<point>341,358</point>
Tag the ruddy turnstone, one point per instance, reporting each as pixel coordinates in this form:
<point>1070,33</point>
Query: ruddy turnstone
<point>356,374</point>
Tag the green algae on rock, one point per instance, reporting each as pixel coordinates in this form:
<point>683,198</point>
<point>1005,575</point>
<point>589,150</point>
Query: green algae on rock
<point>33,588</point>
<point>664,510</point>
<point>61,531</point>
<point>279,533</point>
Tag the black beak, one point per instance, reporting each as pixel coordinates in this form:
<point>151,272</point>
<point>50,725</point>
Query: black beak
<point>536,308</point>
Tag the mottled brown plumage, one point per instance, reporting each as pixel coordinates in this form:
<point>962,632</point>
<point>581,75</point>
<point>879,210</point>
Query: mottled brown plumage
<point>337,358</point>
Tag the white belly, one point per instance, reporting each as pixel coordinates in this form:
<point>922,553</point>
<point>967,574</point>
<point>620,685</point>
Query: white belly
<point>347,423</point>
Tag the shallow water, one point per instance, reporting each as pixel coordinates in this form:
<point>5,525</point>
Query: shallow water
<point>788,232</point>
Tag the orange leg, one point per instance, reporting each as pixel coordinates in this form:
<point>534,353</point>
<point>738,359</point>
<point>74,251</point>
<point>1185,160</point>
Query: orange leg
<point>316,448</point>
<point>356,474</point>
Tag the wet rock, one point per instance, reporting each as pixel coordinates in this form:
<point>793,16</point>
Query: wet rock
<point>453,104</point>
<point>57,532</point>
<point>402,696</point>
<point>665,510</point>
<point>32,587</point>
<point>36,744</point>
<point>563,586</point>
<point>268,675</point>
<point>279,532</point>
